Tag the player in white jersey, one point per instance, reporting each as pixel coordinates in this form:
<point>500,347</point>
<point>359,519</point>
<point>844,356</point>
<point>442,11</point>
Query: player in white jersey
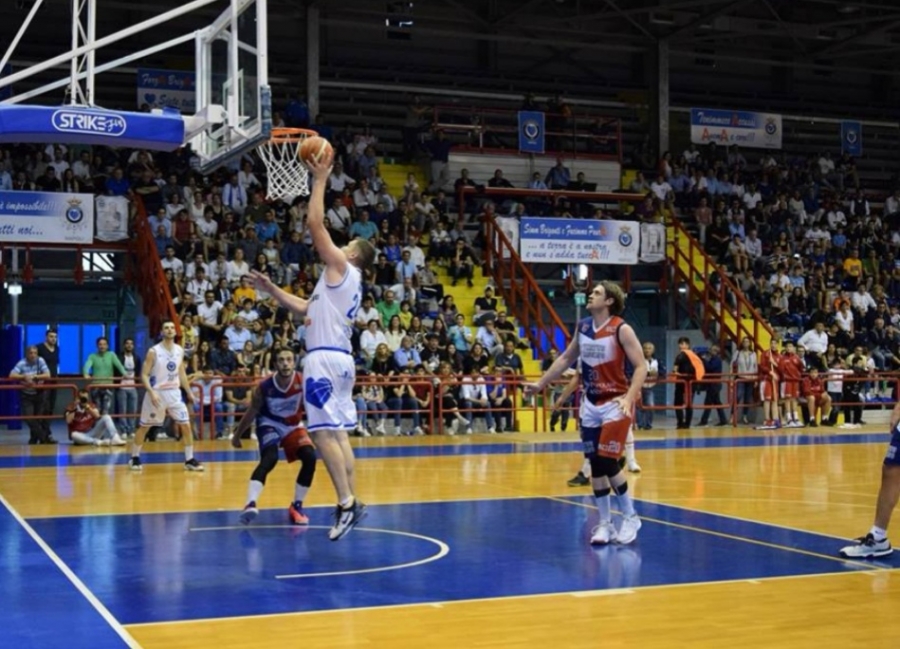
<point>163,376</point>
<point>329,371</point>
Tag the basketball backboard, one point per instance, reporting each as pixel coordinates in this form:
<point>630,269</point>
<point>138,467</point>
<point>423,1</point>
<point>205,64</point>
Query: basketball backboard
<point>233,99</point>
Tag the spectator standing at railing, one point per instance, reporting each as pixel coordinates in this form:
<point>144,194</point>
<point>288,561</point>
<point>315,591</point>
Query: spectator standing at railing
<point>559,176</point>
<point>746,366</point>
<point>815,341</point>
<point>49,351</point>
<point>714,368</point>
<point>127,395</point>
<point>32,371</point>
<point>101,366</point>
<point>685,372</point>
<point>644,414</point>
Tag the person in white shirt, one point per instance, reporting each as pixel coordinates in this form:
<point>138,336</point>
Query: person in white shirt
<point>199,285</point>
<point>473,401</point>
<point>691,154</point>
<point>237,267</point>
<point>171,262</point>
<point>780,278</point>
<point>367,313</point>
<point>208,316</point>
<point>247,312</point>
<point>844,318</point>
<point>234,196</point>
<point>338,180</point>
<point>753,246</point>
<point>363,196</point>
<point>416,254</point>
<point>752,197</point>
<point>219,269</point>
<point>190,270</point>
<point>892,204</point>
<point>836,217</point>
<point>815,341</point>
<point>246,177</point>
<point>661,188</point>
<point>862,300</point>
<point>371,338</point>
<point>339,215</point>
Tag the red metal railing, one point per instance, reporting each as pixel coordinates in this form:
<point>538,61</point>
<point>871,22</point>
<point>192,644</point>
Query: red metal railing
<point>518,288</point>
<point>149,276</point>
<point>710,303</point>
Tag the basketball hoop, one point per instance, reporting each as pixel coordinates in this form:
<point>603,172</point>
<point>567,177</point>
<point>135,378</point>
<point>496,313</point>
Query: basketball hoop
<point>288,175</point>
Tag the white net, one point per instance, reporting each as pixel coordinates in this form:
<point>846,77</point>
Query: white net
<point>287,174</point>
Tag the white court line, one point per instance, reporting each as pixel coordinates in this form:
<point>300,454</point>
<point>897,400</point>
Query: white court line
<point>443,548</point>
<point>72,577</point>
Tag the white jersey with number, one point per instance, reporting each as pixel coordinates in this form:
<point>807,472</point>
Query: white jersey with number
<point>332,310</point>
<point>164,375</point>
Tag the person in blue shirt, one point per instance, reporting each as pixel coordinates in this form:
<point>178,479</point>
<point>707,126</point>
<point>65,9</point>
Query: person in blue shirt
<point>268,228</point>
<point>559,176</point>
<point>406,268</point>
<point>117,184</point>
<point>363,228</point>
<point>31,371</point>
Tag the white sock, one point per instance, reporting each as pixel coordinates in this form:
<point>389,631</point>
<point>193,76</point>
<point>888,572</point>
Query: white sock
<point>626,503</point>
<point>878,532</point>
<point>346,503</point>
<point>629,452</point>
<point>254,490</point>
<point>604,509</point>
<point>586,468</point>
<point>300,492</point>
<point>188,452</point>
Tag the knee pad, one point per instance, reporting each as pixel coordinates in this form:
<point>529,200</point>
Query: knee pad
<point>307,457</point>
<point>268,458</point>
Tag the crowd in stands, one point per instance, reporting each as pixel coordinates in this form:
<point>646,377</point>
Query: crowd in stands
<point>799,237</point>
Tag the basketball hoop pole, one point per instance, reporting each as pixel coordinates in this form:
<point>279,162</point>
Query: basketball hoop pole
<point>84,33</point>
<point>15,42</point>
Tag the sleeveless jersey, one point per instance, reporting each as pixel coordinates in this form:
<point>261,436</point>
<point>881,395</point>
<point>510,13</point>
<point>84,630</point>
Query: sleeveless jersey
<point>332,310</point>
<point>602,360</point>
<point>281,409</point>
<point>164,374</point>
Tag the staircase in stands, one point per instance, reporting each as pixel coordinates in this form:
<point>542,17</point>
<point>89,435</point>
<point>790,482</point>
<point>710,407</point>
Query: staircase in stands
<point>723,311</point>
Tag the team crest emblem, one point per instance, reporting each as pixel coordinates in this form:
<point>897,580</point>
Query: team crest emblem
<point>771,126</point>
<point>74,214</point>
<point>171,366</point>
<point>625,237</point>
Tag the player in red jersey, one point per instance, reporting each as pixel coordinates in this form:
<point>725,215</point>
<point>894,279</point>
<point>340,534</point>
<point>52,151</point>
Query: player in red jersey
<point>601,344</point>
<point>277,408</point>
<point>790,368</point>
<point>768,385</point>
<point>813,388</point>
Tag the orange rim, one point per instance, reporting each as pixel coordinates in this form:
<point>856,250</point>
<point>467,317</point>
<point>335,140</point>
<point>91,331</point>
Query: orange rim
<point>280,135</point>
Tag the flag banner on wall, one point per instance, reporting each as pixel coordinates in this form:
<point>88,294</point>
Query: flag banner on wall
<point>508,225</point>
<point>46,217</point>
<point>578,241</point>
<point>851,138</point>
<point>653,242</point>
<point>728,127</point>
<point>112,218</point>
<point>162,88</point>
<point>531,131</point>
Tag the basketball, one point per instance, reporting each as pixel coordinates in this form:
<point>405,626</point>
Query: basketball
<point>315,149</point>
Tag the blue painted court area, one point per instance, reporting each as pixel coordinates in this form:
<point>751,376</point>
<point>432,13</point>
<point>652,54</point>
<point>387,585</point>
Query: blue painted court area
<point>41,607</point>
<point>155,568</point>
<point>67,456</point>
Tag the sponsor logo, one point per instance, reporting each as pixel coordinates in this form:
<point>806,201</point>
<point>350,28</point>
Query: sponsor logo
<point>70,120</point>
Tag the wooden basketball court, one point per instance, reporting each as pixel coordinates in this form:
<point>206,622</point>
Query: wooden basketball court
<point>470,541</point>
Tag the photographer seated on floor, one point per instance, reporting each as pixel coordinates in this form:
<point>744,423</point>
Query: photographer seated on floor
<point>87,427</point>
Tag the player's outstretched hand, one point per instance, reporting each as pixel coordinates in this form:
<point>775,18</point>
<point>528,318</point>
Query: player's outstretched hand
<point>261,281</point>
<point>531,389</point>
<point>321,169</point>
<point>236,441</point>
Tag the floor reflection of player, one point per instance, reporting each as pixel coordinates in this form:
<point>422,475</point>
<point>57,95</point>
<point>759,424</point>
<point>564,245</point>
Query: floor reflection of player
<point>277,409</point>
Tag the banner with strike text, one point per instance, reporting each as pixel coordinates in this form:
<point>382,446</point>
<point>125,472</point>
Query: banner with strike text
<point>578,241</point>
<point>729,127</point>
<point>46,217</point>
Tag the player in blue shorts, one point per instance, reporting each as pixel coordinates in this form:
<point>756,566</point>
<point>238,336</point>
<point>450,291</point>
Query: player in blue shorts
<point>876,543</point>
<point>329,372</point>
<point>276,407</point>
